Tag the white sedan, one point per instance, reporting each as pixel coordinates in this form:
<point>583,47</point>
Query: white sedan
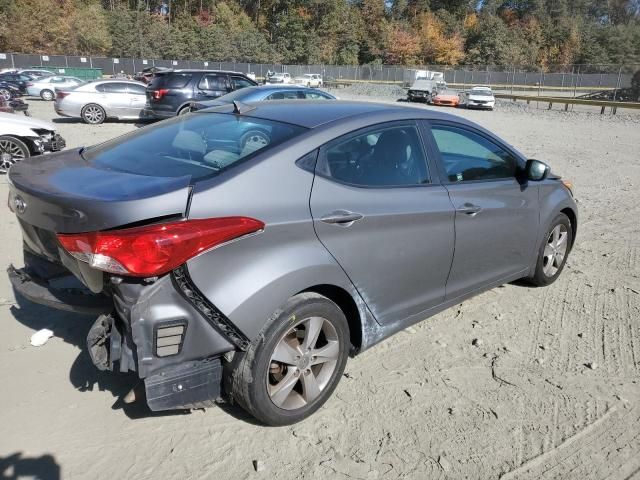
<point>480,97</point>
<point>45,87</point>
<point>309,80</point>
<point>22,137</point>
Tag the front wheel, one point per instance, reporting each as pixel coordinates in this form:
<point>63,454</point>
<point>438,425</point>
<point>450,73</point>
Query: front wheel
<point>5,94</point>
<point>554,251</point>
<point>296,362</point>
<point>12,150</point>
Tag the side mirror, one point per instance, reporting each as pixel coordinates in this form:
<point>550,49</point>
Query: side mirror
<point>536,170</point>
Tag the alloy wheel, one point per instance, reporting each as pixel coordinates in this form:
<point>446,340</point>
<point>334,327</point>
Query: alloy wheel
<point>555,250</point>
<point>10,153</point>
<point>93,114</point>
<point>303,363</point>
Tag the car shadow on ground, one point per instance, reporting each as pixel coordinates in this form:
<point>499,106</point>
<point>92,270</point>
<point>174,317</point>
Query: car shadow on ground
<point>16,466</point>
<point>72,328</point>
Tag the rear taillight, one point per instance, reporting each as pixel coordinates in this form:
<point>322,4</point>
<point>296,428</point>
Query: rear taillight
<point>158,94</point>
<point>154,250</point>
<point>29,84</point>
<point>60,95</point>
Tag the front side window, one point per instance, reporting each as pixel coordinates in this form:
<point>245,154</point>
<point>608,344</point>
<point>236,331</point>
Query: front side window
<point>240,82</point>
<point>467,156</point>
<point>198,145</point>
<point>383,157</point>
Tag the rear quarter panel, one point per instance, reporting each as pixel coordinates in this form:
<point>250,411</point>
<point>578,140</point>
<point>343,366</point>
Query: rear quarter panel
<point>250,278</point>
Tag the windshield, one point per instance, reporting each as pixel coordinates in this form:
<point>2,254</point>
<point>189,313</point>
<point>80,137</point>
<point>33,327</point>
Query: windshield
<point>482,92</point>
<point>199,145</point>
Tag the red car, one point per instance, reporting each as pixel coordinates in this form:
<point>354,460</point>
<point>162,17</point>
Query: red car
<point>446,97</point>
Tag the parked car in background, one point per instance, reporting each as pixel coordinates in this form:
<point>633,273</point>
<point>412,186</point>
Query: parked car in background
<point>263,93</point>
<point>94,102</point>
<point>9,90</point>
<point>171,93</point>
<point>23,137</point>
<point>36,73</point>
<point>17,80</point>
<point>309,80</point>
<point>279,78</point>
<point>480,97</point>
<point>45,87</point>
<point>225,268</point>
<point>422,90</point>
<point>446,97</point>
<point>14,105</point>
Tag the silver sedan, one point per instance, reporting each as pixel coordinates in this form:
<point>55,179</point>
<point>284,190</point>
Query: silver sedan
<point>94,102</point>
<point>45,87</point>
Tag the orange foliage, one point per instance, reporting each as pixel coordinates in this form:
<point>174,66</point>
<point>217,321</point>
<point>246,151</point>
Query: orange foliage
<point>403,47</point>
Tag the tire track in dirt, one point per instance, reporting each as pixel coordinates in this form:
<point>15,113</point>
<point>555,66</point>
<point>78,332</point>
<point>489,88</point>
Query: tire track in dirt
<point>605,448</point>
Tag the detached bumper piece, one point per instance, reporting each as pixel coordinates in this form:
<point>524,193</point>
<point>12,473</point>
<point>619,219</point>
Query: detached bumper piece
<point>107,345</point>
<point>38,290</point>
<point>185,386</point>
<point>55,143</point>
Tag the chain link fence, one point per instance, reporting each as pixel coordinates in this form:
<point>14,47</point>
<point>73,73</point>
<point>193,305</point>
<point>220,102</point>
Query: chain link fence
<point>558,80</point>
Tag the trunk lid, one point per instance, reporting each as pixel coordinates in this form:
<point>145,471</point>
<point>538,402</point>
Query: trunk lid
<point>63,193</point>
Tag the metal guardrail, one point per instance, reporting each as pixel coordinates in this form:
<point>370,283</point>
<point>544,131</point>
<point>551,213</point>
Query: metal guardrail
<point>571,101</point>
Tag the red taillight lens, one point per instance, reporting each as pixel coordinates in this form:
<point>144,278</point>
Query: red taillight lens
<point>29,84</point>
<point>60,95</point>
<point>156,249</point>
<point>158,94</point>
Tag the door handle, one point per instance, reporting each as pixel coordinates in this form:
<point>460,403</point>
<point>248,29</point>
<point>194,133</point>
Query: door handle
<point>341,217</point>
<point>469,209</point>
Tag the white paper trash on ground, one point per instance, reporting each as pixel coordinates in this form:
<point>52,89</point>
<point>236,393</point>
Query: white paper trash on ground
<point>40,337</point>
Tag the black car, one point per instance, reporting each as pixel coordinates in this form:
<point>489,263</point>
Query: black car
<point>8,91</point>
<point>17,80</point>
<point>171,93</point>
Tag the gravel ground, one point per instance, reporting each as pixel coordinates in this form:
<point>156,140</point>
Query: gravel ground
<point>516,383</point>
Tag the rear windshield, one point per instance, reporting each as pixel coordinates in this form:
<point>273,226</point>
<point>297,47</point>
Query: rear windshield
<point>171,80</point>
<point>199,144</point>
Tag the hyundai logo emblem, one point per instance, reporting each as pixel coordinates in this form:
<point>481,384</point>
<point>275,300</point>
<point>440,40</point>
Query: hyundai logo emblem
<point>19,204</point>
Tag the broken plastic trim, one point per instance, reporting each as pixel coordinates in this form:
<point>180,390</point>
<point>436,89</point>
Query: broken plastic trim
<point>218,320</point>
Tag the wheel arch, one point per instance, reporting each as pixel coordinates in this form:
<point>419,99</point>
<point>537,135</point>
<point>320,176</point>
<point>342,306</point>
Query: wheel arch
<point>573,218</point>
<point>349,307</point>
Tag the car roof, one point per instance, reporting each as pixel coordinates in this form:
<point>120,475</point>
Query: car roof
<point>313,113</point>
<point>118,80</point>
<point>198,70</point>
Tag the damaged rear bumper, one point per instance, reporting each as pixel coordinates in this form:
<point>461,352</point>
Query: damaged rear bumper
<point>38,290</point>
<point>160,329</point>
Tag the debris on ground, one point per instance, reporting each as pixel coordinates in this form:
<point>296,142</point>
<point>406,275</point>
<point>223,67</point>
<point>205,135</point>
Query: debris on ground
<point>258,465</point>
<point>41,337</point>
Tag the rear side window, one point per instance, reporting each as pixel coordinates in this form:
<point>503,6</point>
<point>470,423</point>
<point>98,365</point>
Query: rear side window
<point>171,80</point>
<point>384,157</point>
<point>467,156</point>
<point>197,145</point>
<point>136,89</point>
<point>213,82</point>
<point>317,96</point>
<point>112,87</point>
<point>288,95</point>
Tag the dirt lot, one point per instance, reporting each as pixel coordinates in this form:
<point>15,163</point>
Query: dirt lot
<point>550,390</point>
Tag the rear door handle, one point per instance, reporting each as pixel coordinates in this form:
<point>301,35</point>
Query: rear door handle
<point>469,209</point>
<point>342,217</point>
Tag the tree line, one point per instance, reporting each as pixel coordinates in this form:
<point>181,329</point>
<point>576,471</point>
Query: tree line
<point>541,33</point>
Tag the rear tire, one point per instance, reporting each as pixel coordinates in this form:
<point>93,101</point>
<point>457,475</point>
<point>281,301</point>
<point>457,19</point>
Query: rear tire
<point>47,95</point>
<point>93,114</point>
<point>5,94</point>
<point>554,251</point>
<point>278,379</point>
<point>12,150</point>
